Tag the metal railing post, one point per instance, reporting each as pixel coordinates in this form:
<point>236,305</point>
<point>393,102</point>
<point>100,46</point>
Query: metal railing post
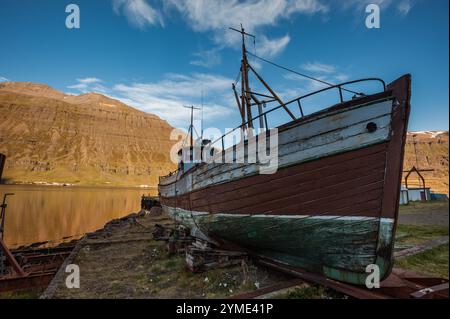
<point>300,107</point>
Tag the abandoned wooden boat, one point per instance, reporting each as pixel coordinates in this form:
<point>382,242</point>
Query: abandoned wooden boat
<point>331,207</point>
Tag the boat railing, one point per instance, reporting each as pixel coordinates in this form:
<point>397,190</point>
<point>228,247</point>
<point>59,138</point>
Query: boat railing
<point>340,87</point>
<point>298,101</point>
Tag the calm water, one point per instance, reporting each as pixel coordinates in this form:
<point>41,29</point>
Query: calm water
<point>45,213</point>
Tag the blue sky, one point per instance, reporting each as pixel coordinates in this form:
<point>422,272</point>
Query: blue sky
<point>160,55</point>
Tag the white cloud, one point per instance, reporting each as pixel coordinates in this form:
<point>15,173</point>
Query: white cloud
<point>89,80</point>
<point>317,67</point>
<point>205,15</point>
<point>207,58</point>
<point>138,12</point>
<point>87,85</point>
<point>165,98</point>
<point>324,72</point>
<point>3,79</point>
<point>360,5</point>
<point>269,48</point>
<point>217,16</point>
<point>404,7</point>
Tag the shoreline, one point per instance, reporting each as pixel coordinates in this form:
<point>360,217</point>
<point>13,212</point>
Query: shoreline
<point>67,185</point>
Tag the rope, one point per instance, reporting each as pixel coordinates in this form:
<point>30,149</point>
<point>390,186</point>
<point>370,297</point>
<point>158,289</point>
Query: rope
<point>300,74</point>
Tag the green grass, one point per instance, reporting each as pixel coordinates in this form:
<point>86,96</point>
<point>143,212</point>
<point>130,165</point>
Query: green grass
<point>420,207</point>
<point>433,261</point>
<point>312,292</point>
<point>23,294</point>
<point>414,235</point>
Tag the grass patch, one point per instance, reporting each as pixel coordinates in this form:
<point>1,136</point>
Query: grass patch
<point>433,261</point>
<point>309,292</point>
<point>420,207</point>
<point>413,235</point>
<point>22,294</point>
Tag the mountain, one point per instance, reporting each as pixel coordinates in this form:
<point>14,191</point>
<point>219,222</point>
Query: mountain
<point>431,148</point>
<point>87,139</point>
<point>91,139</point>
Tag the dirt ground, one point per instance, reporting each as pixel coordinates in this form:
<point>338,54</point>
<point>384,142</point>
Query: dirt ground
<point>123,261</point>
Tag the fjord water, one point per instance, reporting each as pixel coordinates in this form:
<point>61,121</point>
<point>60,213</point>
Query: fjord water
<point>57,214</point>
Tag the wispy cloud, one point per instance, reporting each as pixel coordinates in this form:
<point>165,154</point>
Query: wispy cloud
<point>272,47</point>
<point>3,79</point>
<point>89,80</point>
<point>139,13</point>
<point>207,58</point>
<point>321,71</point>
<point>89,84</point>
<point>215,16</point>
<point>317,67</point>
<point>404,7</point>
<point>360,5</point>
<point>165,98</point>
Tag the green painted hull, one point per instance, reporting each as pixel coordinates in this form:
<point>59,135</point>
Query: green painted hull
<point>338,247</point>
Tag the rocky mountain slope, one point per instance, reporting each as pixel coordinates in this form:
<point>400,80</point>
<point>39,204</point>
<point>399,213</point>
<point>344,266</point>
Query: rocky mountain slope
<point>431,148</point>
<point>49,136</point>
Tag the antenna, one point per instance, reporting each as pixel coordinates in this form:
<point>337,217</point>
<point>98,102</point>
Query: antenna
<point>191,126</point>
<point>245,103</point>
<point>245,88</point>
<point>202,118</point>
<point>242,31</point>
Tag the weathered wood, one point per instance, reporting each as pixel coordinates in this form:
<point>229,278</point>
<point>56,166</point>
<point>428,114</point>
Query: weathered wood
<point>332,205</point>
<point>314,139</point>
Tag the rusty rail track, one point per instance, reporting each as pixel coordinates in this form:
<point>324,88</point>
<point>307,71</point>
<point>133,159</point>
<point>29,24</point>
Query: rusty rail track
<point>31,268</point>
<point>400,284</point>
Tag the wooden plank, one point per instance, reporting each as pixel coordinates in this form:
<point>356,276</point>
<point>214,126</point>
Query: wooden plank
<point>299,191</point>
<point>343,119</point>
<point>353,169</point>
<point>304,181</point>
<point>349,159</point>
<point>315,148</point>
<point>329,120</point>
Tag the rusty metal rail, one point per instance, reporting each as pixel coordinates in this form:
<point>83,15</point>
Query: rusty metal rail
<point>400,284</point>
<point>31,268</point>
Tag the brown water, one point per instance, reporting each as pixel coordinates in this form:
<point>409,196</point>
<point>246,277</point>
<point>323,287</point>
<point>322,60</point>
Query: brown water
<point>46,213</point>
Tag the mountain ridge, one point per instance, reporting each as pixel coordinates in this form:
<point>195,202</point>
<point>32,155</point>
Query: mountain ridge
<point>53,137</point>
<point>88,139</point>
<point>428,150</point>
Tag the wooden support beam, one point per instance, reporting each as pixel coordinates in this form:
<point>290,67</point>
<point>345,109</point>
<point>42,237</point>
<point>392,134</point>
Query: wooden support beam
<point>272,92</point>
<point>241,110</point>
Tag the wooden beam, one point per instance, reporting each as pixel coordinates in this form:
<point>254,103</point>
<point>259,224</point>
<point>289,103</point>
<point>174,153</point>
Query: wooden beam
<point>272,92</point>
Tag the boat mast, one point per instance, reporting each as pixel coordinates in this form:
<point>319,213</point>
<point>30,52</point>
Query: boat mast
<point>191,126</point>
<point>245,104</point>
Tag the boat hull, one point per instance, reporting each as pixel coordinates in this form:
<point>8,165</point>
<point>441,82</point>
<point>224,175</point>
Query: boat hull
<point>332,205</point>
<point>338,247</point>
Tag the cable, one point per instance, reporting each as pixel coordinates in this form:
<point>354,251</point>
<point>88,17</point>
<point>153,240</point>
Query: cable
<point>300,74</point>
